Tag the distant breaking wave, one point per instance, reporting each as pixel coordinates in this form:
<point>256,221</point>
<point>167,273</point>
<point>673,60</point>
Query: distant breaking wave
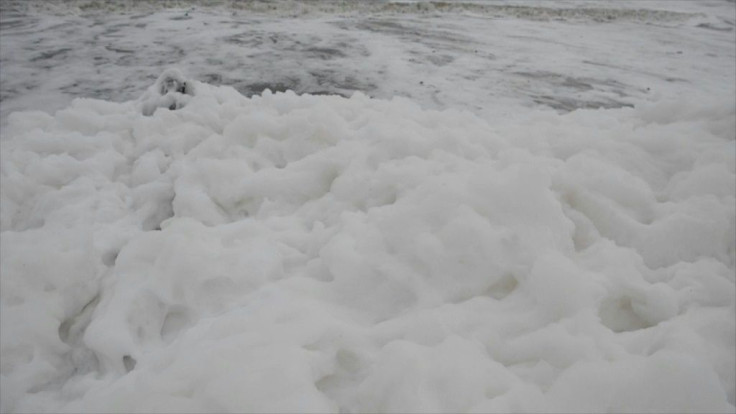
<point>521,10</point>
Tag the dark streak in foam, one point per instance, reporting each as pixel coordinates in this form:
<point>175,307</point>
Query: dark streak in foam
<point>709,26</point>
<point>118,50</point>
<point>51,54</point>
<point>568,104</point>
<point>324,53</point>
<point>624,69</point>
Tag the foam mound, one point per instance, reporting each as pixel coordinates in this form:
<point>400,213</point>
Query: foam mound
<point>287,253</point>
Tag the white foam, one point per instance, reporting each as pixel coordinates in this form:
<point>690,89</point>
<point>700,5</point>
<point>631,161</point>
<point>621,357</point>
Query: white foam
<point>315,253</point>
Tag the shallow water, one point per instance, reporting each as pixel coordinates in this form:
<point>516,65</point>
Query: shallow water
<point>472,55</point>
